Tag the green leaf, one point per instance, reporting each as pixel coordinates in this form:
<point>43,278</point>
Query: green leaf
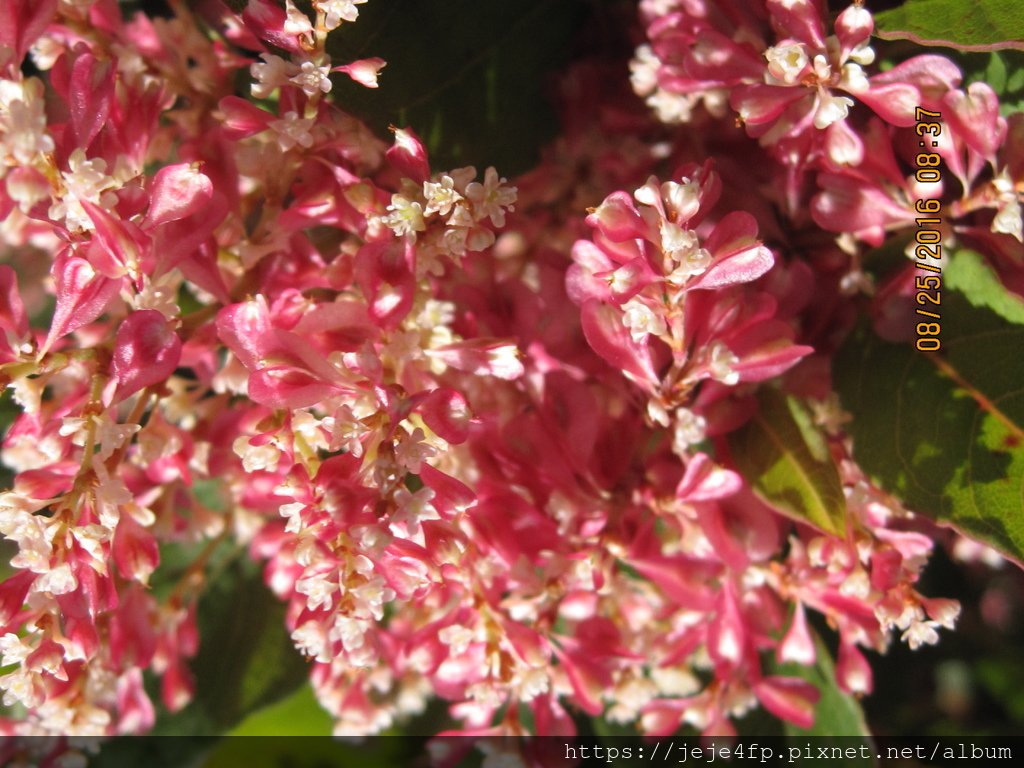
<point>298,714</point>
<point>785,458</point>
<point>246,659</point>
<point>995,73</point>
<point>1015,82</point>
<point>469,77</point>
<point>1003,678</point>
<point>1002,70</point>
<point>968,273</point>
<point>943,430</point>
<point>837,713</point>
<point>983,25</point>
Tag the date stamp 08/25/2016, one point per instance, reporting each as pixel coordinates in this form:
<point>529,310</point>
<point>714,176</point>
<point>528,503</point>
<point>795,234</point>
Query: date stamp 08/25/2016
<point>929,235</point>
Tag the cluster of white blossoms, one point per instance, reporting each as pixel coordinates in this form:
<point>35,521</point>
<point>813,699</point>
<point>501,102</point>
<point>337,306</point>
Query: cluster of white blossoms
<point>461,206</point>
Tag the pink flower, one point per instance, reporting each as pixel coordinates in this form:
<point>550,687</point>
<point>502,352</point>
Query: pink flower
<point>476,432</point>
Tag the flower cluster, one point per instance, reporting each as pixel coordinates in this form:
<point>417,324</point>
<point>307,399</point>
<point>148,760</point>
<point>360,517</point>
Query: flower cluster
<point>477,433</point>
<point>835,130</point>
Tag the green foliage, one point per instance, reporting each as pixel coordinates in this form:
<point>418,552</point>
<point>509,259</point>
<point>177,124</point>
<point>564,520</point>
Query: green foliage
<point>983,25</point>
<point>9,411</point>
<point>468,77</point>
<point>1003,678</point>
<point>968,273</point>
<point>1004,71</point>
<point>943,431</point>
<point>837,713</point>
<point>246,659</point>
<point>786,459</point>
<point>298,714</point>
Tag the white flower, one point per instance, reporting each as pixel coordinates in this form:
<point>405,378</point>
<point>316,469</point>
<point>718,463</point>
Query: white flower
<point>19,687</point>
<point>160,293</point>
<point>686,264</point>
<point>337,11</point>
<point>854,80</point>
<point>92,538</point>
<point>492,198</point>
<point>26,190</point>
<point>857,17</point>
<point>479,239</point>
<point>822,69</point>
<point>830,109</point>
<point>856,585</point>
<point>111,435</point>
<point>656,413</point>
<point>23,121</point>
<point>457,638</point>
<point>786,62</point>
<point>111,494</point>
<point>672,108</point>
<point>347,432</point>
<point>406,216</point>
<point>84,180</point>
<point>453,241</point>
<point>675,681</point>
<point>690,429</point>
<point>649,193</point>
<point>293,514</point>
<point>312,78</point>
<point>909,614</point>
<point>297,22</point>
<point>643,71</point>
<point>311,639</point>
<point>943,612</point>
<point>350,631</point>
<point>14,650</point>
<point>256,457</point>
<point>412,450</point>
<point>532,682</point>
<point>411,508</point>
<point>683,198</point>
<point>630,697</point>
<point>921,633</point>
<point>503,362</point>
<point>969,551</point>
<point>829,413</point>
<point>863,54</point>
<point>45,51</point>
<point>641,320</point>
<point>675,239</point>
<point>58,581</point>
<point>440,195</point>
<point>1008,219</point>
<point>318,588</point>
<point>28,531</point>
<point>270,74</point>
<point>293,130</point>
<point>435,313</point>
<point>373,594</point>
<point>721,365</point>
<point>623,278</point>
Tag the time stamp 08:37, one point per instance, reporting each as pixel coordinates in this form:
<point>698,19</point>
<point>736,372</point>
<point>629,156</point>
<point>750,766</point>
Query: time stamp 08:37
<point>928,238</point>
